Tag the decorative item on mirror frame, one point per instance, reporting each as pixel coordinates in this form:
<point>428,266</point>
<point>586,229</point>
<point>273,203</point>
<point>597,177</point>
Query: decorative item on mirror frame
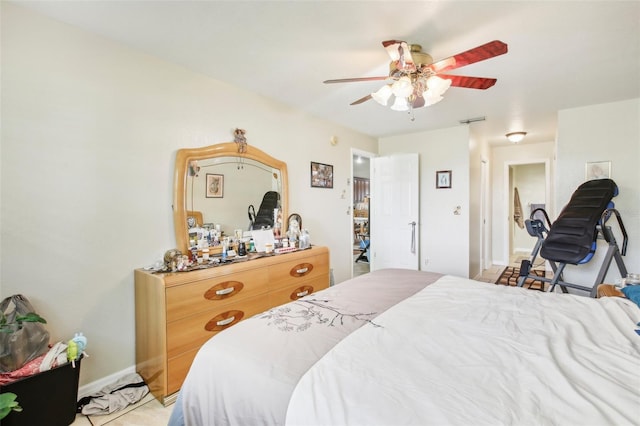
<point>443,179</point>
<point>321,175</point>
<point>240,139</point>
<point>215,186</point>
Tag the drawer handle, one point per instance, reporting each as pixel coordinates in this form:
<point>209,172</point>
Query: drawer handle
<point>301,291</point>
<point>225,291</point>
<point>301,269</point>
<point>225,321</point>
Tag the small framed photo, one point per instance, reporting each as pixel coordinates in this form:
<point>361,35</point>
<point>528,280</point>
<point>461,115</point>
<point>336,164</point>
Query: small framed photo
<point>321,175</point>
<point>443,179</point>
<point>597,170</point>
<point>215,186</point>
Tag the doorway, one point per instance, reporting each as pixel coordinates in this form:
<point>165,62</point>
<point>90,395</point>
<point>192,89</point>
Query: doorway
<point>527,189</point>
<point>360,205</point>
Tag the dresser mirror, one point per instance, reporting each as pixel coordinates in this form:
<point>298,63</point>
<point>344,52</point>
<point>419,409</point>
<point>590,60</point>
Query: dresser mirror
<point>217,185</point>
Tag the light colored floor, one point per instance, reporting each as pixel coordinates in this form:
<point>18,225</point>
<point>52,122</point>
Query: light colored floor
<point>150,411</point>
<point>492,274</point>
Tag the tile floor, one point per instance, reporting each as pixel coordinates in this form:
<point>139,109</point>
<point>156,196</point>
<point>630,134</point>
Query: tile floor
<point>150,411</point>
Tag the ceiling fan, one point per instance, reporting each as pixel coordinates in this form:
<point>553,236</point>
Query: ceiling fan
<point>416,81</point>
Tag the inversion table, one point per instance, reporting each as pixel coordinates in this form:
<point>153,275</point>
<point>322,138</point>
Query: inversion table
<point>571,239</point>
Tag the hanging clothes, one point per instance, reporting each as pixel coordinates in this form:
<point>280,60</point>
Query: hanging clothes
<point>517,209</point>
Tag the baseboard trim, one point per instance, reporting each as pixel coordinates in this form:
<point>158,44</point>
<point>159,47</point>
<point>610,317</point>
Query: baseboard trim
<point>97,385</point>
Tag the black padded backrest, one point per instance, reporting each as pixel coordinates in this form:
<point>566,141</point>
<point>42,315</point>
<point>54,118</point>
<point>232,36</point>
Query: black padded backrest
<point>264,217</point>
<point>571,236</point>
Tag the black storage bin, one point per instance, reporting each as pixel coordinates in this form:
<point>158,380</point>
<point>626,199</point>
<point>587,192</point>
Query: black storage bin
<point>47,398</point>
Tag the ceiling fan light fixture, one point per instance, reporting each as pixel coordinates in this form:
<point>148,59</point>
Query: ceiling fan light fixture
<point>382,95</point>
<point>430,98</point>
<point>515,137</point>
<point>418,81</point>
<point>403,87</point>
<point>400,104</point>
<point>438,85</point>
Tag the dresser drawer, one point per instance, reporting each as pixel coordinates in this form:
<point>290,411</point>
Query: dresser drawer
<point>184,300</point>
<point>287,274</point>
<point>193,331</point>
<point>177,369</point>
<point>295,292</point>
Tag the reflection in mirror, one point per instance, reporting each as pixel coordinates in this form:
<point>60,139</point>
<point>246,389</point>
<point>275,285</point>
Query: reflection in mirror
<point>225,191</point>
<point>218,187</point>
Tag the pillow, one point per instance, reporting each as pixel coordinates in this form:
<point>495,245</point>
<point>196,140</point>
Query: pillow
<point>633,293</point>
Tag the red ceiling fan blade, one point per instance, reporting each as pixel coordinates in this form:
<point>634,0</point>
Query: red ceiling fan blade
<point>361,100</point>
<point>400,53</point>
<point>481,83</point>
<point>351,80</point>
<point>477,54</point>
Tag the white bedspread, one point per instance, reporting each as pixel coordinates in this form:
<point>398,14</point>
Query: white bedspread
<point>245,375</point>
<point>466,353</point>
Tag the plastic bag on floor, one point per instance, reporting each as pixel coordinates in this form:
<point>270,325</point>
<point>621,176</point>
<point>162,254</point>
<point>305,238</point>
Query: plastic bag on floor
<point>21,340</point>
<point>115,397</point>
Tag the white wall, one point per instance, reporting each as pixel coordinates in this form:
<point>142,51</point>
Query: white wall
<point>90,129</point>
<point>444,237</point>
<point>501,158</point>
<point>607,132</point>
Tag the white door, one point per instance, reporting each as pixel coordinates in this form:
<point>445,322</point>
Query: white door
<point>485,261</point>
<point>394,216</point>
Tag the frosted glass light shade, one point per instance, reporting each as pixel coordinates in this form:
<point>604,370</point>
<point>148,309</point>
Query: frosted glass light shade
<point>515,137</point>
<point>437,86</point>
<point>400,104</point>
<point>382,95</point>
<point>403,87</point>
<point>430,98</point>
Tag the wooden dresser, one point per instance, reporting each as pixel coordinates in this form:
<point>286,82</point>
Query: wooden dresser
<point>178,312</point>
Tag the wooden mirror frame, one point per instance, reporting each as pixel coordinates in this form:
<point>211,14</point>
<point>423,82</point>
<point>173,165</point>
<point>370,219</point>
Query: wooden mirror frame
<point>227,149</point>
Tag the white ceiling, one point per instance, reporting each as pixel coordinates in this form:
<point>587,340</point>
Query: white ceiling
<point>562,54</point>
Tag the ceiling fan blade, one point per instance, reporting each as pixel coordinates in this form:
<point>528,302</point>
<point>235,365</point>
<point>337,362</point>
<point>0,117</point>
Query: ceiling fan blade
<point>352,80</point>
<point>481,83</point>
<point>400,54</point>
<point>361,100</point>
<point>477,54</point>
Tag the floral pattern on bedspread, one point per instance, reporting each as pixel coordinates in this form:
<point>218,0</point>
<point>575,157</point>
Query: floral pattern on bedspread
<point>301,315</point>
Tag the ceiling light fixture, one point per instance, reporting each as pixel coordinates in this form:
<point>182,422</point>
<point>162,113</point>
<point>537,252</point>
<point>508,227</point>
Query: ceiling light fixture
<point>413,90</point>
<point>515,137</point>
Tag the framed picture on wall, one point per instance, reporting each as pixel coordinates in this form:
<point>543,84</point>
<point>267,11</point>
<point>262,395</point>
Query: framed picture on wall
<point>215,186</point>
<point>597,170</point>
<point>443,179</point>
<point>321,175</point>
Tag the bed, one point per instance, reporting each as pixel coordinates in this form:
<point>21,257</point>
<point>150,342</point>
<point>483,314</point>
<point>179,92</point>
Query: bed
<point>408,347</point>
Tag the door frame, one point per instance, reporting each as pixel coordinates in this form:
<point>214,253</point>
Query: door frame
<point>507,197</point>
<point>353,152</point>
